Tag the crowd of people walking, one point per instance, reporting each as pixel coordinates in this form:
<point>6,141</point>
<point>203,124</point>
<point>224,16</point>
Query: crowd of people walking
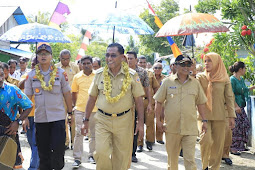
<point>60,103</point>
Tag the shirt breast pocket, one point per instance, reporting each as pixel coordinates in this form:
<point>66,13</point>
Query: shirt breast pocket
<point>56,88</point>
<point>172,93</point>
<point>37,89</point>
<point>101,88</point>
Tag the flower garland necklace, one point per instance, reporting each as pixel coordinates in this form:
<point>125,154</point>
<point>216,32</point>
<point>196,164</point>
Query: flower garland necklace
<point>108,84</point>
<point>41,77</point>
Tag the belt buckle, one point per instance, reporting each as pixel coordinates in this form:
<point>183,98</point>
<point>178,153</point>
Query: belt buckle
<point>114,115</point>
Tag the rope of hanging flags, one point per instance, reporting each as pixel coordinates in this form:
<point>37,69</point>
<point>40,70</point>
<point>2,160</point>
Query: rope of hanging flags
<point>176,51</point>
<point>84,44</point>
<point>58,17</point>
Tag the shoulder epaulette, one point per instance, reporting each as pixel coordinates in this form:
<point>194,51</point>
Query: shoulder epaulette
<point>100,70</point>
<point>131,71</point>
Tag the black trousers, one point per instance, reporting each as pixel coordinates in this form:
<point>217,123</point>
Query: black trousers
<point>50,139</point>
<point>135,137</point>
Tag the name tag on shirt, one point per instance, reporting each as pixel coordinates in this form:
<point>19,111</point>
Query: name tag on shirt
<point>172,87</point>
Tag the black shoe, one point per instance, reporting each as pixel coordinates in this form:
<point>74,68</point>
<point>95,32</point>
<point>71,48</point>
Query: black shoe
<point>140,148</point>
<point>206,168</point>
<point>149,145</point>
<point>227,161</point>
<point>161,142</point>
<point>246,149</point>
<point>134,159</point>
<point>181,153</point>
<point>66,147</point>
<point>236,153</point>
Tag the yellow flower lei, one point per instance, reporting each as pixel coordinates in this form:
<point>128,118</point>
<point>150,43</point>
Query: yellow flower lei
<point>108,84</point>
<point>41,77</point>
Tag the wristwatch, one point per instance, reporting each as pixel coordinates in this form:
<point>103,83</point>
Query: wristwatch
<point>85,119</point>
<point>205,120</point>
<point>70,113</point>
<point>18,120</point>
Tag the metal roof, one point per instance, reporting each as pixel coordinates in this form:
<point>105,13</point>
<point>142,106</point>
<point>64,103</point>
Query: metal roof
<point>17,52</point>
<point>7,11</point>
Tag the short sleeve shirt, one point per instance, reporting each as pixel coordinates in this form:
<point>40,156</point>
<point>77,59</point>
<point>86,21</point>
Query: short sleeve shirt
<point>126,102</point>
<point>70,70</point>
<point>49,105</point>
<point>11,97</point>
<point>142,73</point>
<point>81,84</point>
<point>180,104</point>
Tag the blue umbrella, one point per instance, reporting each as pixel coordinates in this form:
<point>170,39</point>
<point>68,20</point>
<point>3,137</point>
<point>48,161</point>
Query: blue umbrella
<point>119,21</point>
<point>33,33</point>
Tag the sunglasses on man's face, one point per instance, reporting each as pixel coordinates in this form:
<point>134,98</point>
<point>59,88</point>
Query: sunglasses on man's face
<point>185,64</point>
<point>157,68</point>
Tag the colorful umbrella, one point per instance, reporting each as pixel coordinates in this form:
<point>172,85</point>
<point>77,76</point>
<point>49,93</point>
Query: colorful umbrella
<point>191,23</point>
<point>33,33</point>
<point>122,22</point>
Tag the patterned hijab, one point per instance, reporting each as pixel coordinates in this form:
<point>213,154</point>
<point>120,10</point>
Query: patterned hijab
<point>217,74</point>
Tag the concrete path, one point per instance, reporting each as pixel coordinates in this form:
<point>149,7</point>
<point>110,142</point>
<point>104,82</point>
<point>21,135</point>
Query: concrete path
<point>149,160</point>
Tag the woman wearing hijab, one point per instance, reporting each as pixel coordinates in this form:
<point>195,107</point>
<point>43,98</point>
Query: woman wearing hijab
<point>241,91</point>
<point>217,87</point>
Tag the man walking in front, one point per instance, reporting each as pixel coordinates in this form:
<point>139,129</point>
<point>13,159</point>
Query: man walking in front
<point>116,88</point>
<point>182,96</point>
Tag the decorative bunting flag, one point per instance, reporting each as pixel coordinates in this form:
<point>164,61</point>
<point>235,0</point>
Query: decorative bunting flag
<point>58,16</point>
<point>176,51</point>
<point>84,44</point>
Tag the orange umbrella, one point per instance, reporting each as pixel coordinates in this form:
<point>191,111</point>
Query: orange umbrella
<point>191,23</point>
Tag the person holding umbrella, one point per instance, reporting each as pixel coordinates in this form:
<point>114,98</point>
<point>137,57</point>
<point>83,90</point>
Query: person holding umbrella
<point>49,85</point>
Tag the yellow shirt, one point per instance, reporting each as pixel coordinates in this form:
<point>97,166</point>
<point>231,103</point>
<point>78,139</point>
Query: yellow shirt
<point>70,70</point>
<point>81,84</point>
<point>180,104</point>
<point>126,102</point>
<point>222,95</point>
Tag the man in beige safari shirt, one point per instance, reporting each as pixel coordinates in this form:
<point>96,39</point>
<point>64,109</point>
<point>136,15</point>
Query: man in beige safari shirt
<point>114,118</point>
<point>182,95</point>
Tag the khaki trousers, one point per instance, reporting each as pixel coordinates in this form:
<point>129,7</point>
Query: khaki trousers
<point>72,134</point>
<point>228,141</point>
<point>78,139</point>
<point>114,138</point>
<point>159,135</point>
<point>150,124</point>
<point>212,143</point>
<point>174,143</point>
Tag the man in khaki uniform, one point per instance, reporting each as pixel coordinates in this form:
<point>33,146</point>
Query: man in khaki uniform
<point>80,88</point>
<point>182,95</point>
<point>158,67</point>
<point>115,90</point>
<point>71,69</point>
<point>49,85</point>
<point>7,77</point>
<point>149,116</point>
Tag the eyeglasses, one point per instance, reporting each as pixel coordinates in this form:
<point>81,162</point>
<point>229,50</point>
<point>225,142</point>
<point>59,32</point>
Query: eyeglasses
<point>44,54</point>
<point>185,64</point>
<point>111,55</point>
<point>65,59</point>
<point>159,68</point>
